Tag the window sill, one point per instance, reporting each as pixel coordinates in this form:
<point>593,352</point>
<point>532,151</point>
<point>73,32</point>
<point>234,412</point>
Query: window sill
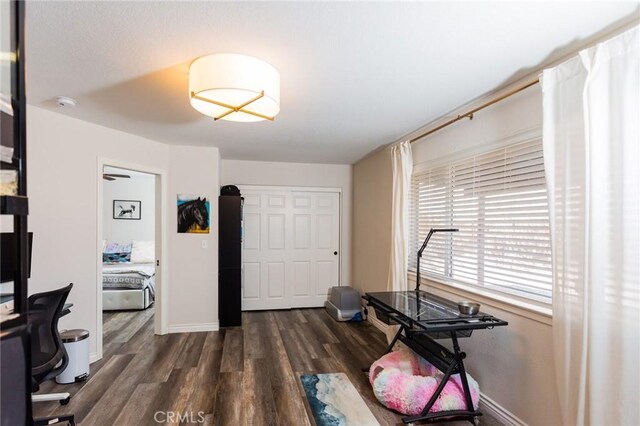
<point>515,306</point>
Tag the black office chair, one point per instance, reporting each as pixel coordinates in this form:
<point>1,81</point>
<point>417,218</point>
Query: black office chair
<point>15,381</point>
<point>48,354</point>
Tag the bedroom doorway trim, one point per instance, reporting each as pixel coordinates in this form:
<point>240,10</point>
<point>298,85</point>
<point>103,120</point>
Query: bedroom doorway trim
<point>162,271</point>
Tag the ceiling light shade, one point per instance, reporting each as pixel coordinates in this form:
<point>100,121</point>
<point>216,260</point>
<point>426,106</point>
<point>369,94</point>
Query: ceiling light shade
<point>234,87</point>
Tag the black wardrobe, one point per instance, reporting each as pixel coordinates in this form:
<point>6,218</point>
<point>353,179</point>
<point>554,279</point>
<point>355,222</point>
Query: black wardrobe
<point>230,258</point>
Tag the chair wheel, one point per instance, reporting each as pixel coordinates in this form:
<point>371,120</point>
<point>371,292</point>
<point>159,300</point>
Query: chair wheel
<point>65,401</point>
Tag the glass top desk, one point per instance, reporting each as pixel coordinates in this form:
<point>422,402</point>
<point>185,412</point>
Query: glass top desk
<point>423,318</point>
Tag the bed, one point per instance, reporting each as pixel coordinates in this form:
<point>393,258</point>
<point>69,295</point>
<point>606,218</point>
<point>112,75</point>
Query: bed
<point>127,286</point>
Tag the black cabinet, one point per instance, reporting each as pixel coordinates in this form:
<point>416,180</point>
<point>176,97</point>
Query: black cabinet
<point>230,237</point>
<point>230,260</point>
<point>229,297</point>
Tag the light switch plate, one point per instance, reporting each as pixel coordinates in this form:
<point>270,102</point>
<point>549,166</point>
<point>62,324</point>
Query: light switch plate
<point>205,244</point>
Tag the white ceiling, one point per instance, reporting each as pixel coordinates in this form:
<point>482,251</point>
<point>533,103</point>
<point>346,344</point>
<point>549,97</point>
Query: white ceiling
<point>355,76</point>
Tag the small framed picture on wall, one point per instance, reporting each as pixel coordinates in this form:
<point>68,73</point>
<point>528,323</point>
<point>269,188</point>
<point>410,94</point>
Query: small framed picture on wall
<point>126,209</point>
<point>193,214</point>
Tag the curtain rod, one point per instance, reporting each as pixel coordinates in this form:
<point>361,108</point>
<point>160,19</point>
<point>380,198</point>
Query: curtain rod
<point>473,111</point>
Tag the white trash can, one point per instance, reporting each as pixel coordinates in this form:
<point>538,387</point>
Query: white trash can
<point>76,342</point>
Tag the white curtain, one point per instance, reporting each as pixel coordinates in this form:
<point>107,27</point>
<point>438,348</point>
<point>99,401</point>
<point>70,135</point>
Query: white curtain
<point>402,166</point>
<point>592,165</point>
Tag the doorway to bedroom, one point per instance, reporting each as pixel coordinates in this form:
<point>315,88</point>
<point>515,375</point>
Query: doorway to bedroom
<point>129,255</point>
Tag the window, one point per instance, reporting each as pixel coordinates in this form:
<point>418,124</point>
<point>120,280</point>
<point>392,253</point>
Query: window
<point>498,200</point>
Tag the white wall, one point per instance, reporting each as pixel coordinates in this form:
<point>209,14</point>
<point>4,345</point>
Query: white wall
<point>513,364</point>
<point>139,188</point>
<point>236,172</point>
<point>193,297</point>
<point>62,184</point>
<point>515,114</point>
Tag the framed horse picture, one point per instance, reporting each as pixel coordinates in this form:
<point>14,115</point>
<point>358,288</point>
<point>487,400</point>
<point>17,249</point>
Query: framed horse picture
<point>126,209</point>
<point>193,214</point>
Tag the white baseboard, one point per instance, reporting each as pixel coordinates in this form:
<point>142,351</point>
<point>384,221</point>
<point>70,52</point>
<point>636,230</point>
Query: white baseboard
<point>93,357</point>
<point>194,328</point>
<point>503,415</point>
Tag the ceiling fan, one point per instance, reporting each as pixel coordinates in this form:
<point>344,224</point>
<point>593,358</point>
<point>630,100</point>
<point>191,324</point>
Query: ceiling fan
<point>114,176</point>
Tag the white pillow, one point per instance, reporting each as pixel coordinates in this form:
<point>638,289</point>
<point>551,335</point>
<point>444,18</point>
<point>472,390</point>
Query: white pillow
<point>143,252</point>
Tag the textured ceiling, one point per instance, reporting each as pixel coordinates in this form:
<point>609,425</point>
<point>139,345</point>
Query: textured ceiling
<point>355,76</point>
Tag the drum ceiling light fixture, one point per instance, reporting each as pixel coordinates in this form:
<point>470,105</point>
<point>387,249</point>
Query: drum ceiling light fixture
<point>229,86</point>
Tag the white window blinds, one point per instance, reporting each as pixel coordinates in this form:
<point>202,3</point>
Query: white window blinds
<point>498,200</point>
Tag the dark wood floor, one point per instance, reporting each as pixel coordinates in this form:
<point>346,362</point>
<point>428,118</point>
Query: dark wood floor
<point>236,376</point>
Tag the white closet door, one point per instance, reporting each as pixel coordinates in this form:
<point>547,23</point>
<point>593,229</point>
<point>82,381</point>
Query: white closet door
<point>290,253</point>
<point>266,250</point>
<point>316,244</point>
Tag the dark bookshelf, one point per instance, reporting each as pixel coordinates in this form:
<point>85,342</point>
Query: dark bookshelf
<point>16,205</point>
<point>14,135</point>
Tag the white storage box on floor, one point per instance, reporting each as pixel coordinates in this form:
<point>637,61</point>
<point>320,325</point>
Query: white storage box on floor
<point>344,304</point>
<point>76,342</point>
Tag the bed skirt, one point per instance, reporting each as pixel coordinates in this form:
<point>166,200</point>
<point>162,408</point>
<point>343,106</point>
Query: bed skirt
<point>118,300</point>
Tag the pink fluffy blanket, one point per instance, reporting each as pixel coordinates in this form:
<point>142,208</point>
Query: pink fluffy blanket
<point>404,382</point>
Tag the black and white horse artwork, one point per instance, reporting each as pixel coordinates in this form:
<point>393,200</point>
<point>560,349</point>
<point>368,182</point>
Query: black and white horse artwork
<point>193,216</point>
<point>128,211</point>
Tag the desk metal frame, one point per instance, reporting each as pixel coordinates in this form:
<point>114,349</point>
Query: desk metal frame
<point>420,334</point>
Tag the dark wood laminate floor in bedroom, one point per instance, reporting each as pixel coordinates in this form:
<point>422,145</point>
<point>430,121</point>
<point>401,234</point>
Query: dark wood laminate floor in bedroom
<point>235,376</point>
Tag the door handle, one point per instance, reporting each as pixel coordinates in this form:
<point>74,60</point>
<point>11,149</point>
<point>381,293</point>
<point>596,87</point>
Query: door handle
<point>335,253</point>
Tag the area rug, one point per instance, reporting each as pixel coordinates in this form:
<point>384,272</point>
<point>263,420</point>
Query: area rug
<point>335,401</point>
